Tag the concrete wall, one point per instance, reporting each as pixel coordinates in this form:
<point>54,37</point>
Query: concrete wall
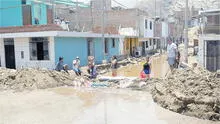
<point>2,53</point>
<point>39,11</point>
<point>70,48</point>
<point>22,44</point>
<point>11,14</point>
<point>99,50</point>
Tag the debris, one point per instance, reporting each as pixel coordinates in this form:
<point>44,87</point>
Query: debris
<point>193,92</point>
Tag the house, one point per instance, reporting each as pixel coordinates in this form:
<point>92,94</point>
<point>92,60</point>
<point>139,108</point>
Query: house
<point>209,39</point>
<point>24,12</point>
<point>41,49</point>
<point>128,22</point>
<point>28,38</point>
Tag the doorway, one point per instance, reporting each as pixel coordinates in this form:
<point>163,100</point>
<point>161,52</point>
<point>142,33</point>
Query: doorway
<point>143,49</point>
<point>131,49</point>
<point>9,53</point>
<point>90,47</point>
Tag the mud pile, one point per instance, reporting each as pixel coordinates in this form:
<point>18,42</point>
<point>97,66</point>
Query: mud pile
<point>191,92</point>
<point>33,79</point>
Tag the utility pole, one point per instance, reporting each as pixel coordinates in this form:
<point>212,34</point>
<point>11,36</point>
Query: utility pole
<point>103,26</point>
<point>186,32</point>
<point>77,15</point>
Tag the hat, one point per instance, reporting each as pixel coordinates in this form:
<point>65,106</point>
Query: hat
<point>77,57</point>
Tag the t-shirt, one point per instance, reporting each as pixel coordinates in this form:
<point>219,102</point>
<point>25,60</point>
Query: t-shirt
<point>146,67</point>
<point>171,50</point>
<point>76,63</point>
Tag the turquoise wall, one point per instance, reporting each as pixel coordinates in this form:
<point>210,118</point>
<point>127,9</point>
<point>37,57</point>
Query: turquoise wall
<point>10,13</point>
<point>99,49</point>
<point>71,47</point>
<point>39,11</point>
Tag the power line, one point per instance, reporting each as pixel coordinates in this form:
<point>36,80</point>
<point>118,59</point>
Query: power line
<point>120,4</point>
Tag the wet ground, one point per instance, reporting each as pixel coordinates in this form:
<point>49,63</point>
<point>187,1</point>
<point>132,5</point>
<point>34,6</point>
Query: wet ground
<point>86,106</point>
<point>159,68</point>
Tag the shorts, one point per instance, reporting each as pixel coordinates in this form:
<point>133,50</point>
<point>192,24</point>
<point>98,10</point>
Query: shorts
<point>147,71</point>
<point>171,60</point>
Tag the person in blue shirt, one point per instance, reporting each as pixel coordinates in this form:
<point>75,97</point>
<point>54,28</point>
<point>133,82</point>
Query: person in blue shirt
<point>59,66</point>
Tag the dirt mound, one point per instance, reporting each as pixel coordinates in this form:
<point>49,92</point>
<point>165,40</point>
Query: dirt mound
<point>33,79</point>
<point>190,92</point>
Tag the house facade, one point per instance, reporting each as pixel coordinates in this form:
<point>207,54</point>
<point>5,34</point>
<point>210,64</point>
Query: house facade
<point>209,39</point>
<point>42,49</point>
<point>24,12</point>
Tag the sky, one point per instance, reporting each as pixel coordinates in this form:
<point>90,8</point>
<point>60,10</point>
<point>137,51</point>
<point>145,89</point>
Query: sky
<point>128,3</point>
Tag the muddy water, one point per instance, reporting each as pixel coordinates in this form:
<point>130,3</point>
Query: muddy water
<point>86,106</point>
<point>159,68</point>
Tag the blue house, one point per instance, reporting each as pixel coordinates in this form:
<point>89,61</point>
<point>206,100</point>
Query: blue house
<point>24,12</point>
<point>43,49</point>
<point>72,44</point>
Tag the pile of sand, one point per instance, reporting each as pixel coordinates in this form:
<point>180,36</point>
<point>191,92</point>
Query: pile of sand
<point>33,79</point>
<point>190,92</point>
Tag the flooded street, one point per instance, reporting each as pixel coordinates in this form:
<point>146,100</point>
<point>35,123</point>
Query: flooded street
<point>86,106</point>
<point>159,68</point>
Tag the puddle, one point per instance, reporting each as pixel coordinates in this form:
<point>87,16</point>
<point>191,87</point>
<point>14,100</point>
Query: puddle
<point>159,68</point>
<point>86,106</point>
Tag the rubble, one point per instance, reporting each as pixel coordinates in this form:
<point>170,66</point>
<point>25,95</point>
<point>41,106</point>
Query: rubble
<point>190,92</point>
<point>33,79</point>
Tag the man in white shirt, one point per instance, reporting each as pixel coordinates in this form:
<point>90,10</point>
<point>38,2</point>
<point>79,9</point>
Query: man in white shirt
<point>171,53</point>
<point>76,66</point>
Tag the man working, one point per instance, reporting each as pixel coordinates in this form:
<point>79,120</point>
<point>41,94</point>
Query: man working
<point>171,53</point>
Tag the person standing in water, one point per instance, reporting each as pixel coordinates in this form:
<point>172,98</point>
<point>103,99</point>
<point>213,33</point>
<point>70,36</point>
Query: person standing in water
<point>114,66</point>
<point>171,53</point>
<point>145,73</point>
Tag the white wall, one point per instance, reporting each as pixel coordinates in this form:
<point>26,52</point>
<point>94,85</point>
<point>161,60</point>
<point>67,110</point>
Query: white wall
<point>2,53</point>
<point>149,32</point>
<point>22,44</point>
<point>146,33</point>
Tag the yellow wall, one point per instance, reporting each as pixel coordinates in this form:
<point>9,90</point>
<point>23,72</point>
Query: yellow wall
<point>129,44</point>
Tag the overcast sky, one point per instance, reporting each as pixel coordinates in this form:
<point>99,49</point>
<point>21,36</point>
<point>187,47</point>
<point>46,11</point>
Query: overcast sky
<point>128,3</point>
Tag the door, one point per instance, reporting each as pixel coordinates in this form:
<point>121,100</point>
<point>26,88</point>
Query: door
<point>212,56</point>
<point>90,47</point>
<point>9,53</point>
<point>143,49</point>
<point>131,49</point>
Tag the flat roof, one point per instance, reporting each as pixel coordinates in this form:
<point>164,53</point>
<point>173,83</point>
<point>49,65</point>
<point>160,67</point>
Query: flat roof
<point>58,34</point>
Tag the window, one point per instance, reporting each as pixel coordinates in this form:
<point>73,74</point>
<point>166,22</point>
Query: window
<point>106,46</point>
<point>23,1</point>
<point>150,25</point>
<point>113,42</point>
<point>150,42</point>
<point>90,47</point>
<point>146,24</point>
<point>39,48</point>
<point>22,54</point>
<point>154,41</point>
<point>146,44</point>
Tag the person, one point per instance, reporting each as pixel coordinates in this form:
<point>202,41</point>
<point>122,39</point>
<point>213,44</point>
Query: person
<point>60,65</point>
<point>177,62</point>
<point>171,53</point>
<point>114,64</point>
<point>145,73</point>
<point>76,66</point>
<point>91,67</point>
<point>92,70</point>
<point>65,68</point>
